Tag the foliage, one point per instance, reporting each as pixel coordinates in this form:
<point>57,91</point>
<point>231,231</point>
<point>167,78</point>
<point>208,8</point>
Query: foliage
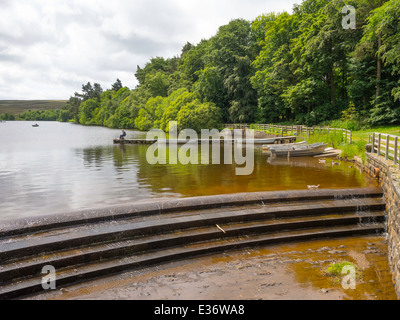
<point>380,44</point>
<point>349,151</point>
<point>310,68</point>
<point>197,116</point>
<point>335,269</point>
<point>7,117</point>
<point>301,67</point>
<point>39,115</point>
<point>334,138</point>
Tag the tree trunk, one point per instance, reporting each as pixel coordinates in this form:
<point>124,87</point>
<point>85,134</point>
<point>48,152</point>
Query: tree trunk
<point>379,67</point>
<point>332,85</point>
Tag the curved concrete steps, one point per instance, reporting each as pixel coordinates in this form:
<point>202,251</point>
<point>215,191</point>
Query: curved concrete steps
<point>83,251</point>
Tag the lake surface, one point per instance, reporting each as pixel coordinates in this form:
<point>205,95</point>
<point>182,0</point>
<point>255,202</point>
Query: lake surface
<point>62,167</point>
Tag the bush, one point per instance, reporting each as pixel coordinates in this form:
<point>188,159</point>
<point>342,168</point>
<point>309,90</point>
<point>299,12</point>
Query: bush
<point>198,116</point>
<point>334,138</point>
<point>353,149</point>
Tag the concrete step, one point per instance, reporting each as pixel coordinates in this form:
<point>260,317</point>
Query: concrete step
<point>55,240</point>
<point>29,226</point>
<point>69,257</point>
<point>144,235</point>
<point>84,272</point>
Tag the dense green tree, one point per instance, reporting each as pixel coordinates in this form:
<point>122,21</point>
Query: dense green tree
<point>173,104</point>
<point>64,116</point>
<point>309,68</point>
<point>117,86</point>
<point>157,84</point>
<point>86,111</point>
<point>303,67</point>
<point>274,72</point>
<point>197,116</point>
<point>225,79</point>
<point>90,92</point>
<point>192,63</point>
<point>380,42</point>
<point>7,117</point>
<point>150,116</point>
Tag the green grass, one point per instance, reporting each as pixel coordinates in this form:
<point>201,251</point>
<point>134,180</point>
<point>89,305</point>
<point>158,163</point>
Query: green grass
<point>334,139</point>
<point>15,107</point>
<point>364,134</point>
<point>356,148</point>
<point>360,139</point>
<point>335,269</point>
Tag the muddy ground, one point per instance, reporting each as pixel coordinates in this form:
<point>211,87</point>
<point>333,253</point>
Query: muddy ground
<point>285,272</point>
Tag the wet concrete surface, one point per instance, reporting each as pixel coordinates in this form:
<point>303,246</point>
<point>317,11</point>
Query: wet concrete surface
<point>284,272</point>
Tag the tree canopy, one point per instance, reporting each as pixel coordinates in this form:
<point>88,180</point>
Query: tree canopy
<point>302,67</point>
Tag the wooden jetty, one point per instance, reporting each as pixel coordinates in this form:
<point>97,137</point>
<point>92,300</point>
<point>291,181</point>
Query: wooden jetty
<point>276,140</point>
<point>134,141</point>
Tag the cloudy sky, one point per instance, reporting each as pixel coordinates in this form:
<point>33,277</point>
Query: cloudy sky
<point>49,48</point>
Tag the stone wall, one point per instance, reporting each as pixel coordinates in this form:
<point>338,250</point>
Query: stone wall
<point>388,176</point>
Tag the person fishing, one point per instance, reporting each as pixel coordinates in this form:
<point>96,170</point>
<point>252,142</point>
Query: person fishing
<point>123,135</point>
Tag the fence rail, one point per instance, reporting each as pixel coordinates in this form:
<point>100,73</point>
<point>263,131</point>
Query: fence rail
<point>298,130</point>
<point>386,145</point>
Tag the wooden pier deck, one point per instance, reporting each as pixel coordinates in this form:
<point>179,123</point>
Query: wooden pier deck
<point>277,140</point>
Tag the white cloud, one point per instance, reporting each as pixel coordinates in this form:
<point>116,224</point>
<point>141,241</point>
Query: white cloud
<point>49,48</point>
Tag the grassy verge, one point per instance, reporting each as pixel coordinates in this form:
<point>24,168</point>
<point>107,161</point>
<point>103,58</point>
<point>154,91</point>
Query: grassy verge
<point>354,149</point>
<point>364,134</point>
<point>336,140</point>
<point>360,140</point>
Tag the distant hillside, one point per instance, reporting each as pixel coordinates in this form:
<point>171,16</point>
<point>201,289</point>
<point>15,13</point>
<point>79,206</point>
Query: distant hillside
<point>19,106</point>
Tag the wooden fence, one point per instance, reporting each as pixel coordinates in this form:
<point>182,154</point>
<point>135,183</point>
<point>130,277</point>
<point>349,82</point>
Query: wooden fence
<point>386,145</point>
<point>293,130</point>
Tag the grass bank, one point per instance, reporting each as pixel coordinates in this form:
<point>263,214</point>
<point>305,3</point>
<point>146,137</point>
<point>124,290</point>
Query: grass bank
<point>337,141</point>
<point>360,138</point>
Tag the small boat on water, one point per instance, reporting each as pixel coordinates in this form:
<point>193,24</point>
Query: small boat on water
<point>266,147</point>
<point>297,150</point>
<point>35,125</point>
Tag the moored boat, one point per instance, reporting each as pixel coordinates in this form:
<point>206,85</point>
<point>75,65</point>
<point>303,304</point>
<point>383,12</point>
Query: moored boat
<point>297,150</point>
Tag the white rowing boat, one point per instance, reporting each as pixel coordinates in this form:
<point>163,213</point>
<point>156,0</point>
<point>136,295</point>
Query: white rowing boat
<point>297,150</point>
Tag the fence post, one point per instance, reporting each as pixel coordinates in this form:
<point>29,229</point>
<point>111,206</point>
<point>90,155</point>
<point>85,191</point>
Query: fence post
<point>379,143</point>
<point>387,147</point>
<point>373,142</point>
<point>396,140</point>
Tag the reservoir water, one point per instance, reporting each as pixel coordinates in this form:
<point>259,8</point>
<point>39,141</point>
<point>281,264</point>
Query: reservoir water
<point>62,167</point>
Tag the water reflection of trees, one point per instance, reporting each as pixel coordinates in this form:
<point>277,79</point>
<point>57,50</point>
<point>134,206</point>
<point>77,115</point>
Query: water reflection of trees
<point>208,179</point>
<point>101,156</point>
<point>93,157</point>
